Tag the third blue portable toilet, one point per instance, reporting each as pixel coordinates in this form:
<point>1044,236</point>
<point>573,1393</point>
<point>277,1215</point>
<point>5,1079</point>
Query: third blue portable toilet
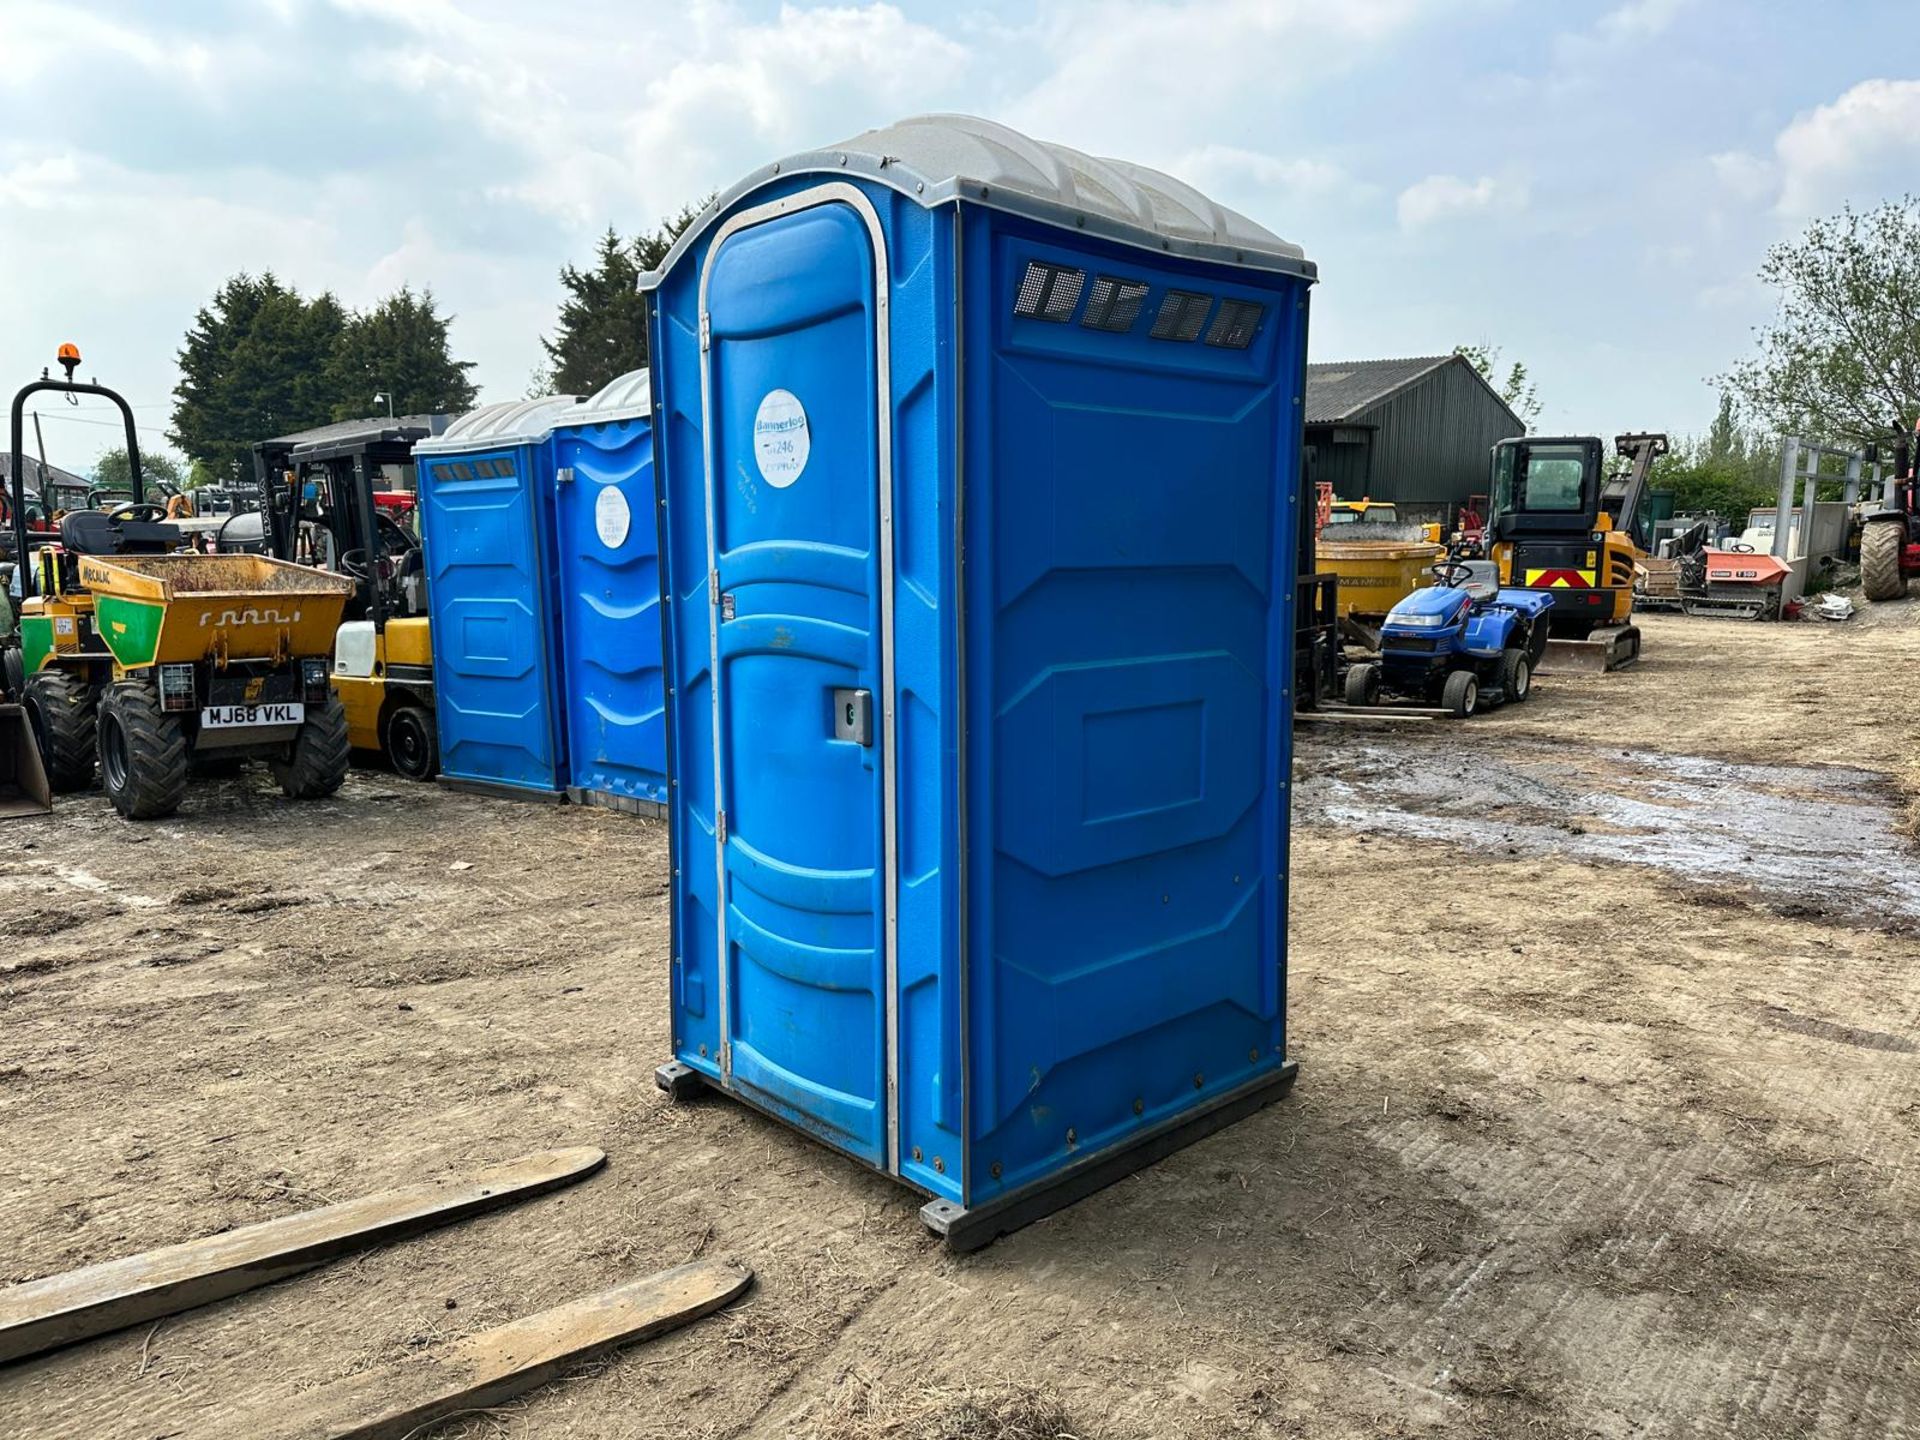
<point>487,527</point>
<point>610,599</point>
<point>981,467</point>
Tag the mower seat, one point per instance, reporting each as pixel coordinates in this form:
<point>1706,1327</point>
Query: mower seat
<point>94,532</point>
<point>1482,580</point>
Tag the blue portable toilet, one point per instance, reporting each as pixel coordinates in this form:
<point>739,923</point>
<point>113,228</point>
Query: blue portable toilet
<point>487,527</point>
<point>610,600</point>
<point>981,467</point>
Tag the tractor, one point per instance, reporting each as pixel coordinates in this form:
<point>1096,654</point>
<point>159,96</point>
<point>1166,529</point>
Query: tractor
<point>1890,537</point>
<point>1460,643</point>
<point>151,664</point>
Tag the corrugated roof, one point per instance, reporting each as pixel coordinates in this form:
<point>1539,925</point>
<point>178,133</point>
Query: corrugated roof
<point>934,159</point>
<point>1339,390</point>
<point>32,474</point>
<point>509,422</point>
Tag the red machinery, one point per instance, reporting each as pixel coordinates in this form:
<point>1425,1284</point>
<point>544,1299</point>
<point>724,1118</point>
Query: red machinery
<point>1890,538</point>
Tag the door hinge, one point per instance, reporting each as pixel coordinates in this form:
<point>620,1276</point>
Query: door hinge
<point>706,331</point>
<point>564,475</point>
<point>720,827</point>
<point>713,587</point>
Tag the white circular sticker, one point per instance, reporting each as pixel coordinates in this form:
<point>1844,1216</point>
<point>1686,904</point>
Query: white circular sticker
<point>781,442</point>
<point>611,517</point>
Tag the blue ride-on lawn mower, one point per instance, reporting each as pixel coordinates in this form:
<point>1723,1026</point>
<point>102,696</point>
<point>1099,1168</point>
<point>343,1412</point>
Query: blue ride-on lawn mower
<point>1457,644</point>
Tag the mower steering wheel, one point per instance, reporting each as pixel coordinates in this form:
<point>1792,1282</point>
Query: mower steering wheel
<point>1452,573</point>
<point>137,510</point>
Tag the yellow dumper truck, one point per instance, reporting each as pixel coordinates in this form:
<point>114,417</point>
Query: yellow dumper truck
<point>153,663</point>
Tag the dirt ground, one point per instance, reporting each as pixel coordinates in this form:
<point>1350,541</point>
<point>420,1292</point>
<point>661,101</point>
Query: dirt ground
<point>1608,1014</point>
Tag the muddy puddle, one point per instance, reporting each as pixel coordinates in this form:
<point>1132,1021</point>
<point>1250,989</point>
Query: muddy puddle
<point>1813,839</point>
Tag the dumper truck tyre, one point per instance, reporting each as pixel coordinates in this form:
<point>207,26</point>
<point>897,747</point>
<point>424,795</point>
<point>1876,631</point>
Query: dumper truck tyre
<point>61,709</point>
<point>1461,693</point>
<point>143,753</point>
<point>1881,544</point>
<point>1516,675</point>
<point>1363,685</point>
<point>316,763</point>
<point>412,744</point>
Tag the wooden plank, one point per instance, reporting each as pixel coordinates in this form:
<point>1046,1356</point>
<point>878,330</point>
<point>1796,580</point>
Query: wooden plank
<point>1361,717</point>
<point>397,1400</point>
<point>80,1304</point>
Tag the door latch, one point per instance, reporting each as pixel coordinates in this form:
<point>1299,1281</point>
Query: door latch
<point>853,716</point>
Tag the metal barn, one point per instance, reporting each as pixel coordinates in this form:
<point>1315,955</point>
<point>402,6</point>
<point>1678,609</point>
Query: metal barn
<point>980,469</point>
<point>1418,432</point>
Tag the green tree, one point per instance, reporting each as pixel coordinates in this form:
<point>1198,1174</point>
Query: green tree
<point>1840,361</point>
<point>1729,470</point>
<point>1516,388</point>
<point>602,331</point>
<point>110,471</point>
<point>399,348</point>
<point>252,366</point>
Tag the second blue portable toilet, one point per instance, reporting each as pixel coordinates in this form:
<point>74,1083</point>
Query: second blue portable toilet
<point>982,469</point>
<point>610,600</point>
<point>487,526</point>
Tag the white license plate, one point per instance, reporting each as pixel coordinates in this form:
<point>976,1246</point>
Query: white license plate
<point>239,717</point>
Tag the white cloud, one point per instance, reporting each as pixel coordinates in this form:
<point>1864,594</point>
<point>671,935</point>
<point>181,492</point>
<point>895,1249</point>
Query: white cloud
<point>1746,177</point>
<point>1639,20</point>
<point>1862,146</point>
<point>1439,198</point>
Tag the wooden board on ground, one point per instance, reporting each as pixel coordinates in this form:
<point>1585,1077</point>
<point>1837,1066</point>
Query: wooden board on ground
<point>483,1370</point>
<point>79,1304</point>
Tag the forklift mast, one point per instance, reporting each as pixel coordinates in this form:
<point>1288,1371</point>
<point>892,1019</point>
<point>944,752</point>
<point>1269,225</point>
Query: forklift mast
<point>1624,497</point>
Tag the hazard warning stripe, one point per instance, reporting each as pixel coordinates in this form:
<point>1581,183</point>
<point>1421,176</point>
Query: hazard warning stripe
<point>1560,580</point>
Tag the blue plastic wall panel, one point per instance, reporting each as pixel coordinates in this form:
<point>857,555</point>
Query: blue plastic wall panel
<point>1129,514</point>
<point>614,701</point>
<point>793,1013</point>
<point>490,599</point>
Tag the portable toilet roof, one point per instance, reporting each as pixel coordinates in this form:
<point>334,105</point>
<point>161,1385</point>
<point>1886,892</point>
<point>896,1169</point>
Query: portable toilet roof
<point>935,159</point>
<point>980,491</point>
<point>505,422</point>
<point>628,398</point>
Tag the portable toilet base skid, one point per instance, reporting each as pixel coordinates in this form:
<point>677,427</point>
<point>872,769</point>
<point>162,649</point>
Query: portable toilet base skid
<point>967,1228</point>
<point>980,486</point>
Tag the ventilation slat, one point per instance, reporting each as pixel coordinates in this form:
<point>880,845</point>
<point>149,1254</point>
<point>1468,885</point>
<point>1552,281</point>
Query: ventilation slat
<point>1183,314</point>
<point>1236,324</point>
<point>1114,304</point>
<point>1049,292</point>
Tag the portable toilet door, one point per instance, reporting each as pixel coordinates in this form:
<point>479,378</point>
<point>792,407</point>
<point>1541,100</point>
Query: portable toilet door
<point>981,470</point>
<point>610,600</point>
<point>487,530</point>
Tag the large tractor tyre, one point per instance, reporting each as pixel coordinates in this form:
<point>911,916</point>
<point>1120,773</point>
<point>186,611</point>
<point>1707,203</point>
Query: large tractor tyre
<point>1461,693</point>
<point>143,754</point>
<point>61,708</point>
<point>1881,546</point>
<point>412,744</point>
<point>1516,675</point>
<point>1363,685</point>
<point>316,763</point>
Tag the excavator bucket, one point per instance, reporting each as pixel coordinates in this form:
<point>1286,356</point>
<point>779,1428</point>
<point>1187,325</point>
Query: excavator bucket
<point>23,779</point>
<point>1610,647</point>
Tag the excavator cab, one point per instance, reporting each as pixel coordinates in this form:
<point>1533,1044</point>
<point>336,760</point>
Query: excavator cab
<point>1560,523</point>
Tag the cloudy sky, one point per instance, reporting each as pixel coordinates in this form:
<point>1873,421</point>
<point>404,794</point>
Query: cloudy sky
<point>1588,184</point>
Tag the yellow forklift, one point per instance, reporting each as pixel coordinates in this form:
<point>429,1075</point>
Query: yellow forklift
<point>147,662</point>
<point>1561,523</point>
<point>330,500</point>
